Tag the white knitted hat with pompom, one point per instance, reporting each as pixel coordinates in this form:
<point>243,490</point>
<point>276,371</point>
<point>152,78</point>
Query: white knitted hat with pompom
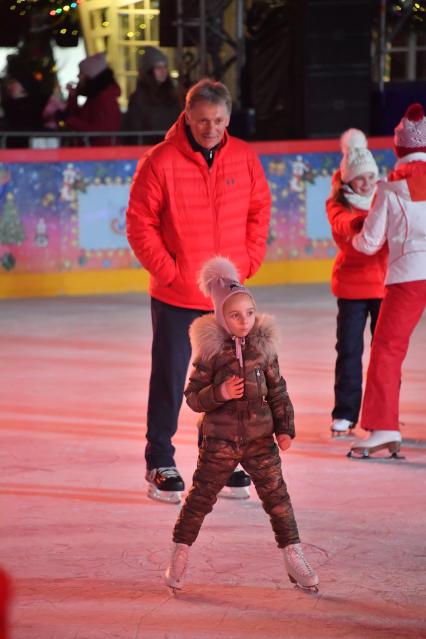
<point>357,159</point>
<point>219,280</point>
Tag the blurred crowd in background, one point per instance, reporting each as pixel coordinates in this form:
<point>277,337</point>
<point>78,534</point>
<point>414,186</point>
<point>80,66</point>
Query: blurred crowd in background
<point>90,105</point>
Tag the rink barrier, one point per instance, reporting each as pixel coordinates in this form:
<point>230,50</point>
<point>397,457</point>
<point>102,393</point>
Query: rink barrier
<point>62,217</point>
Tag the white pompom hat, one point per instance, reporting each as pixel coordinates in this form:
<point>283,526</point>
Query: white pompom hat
<point>357,158</point>
<point>219,280</point>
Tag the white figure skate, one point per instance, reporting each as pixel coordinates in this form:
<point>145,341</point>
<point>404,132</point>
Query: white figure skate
<point>176,569</point>
<point>378,440</point>
<point>341,427</point>
<point>165,484</point>
<point>299,571</point>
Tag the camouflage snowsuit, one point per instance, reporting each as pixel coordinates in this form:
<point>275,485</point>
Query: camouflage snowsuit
<point>238,431</point>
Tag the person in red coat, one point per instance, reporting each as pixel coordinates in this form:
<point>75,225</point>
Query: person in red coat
<point>101,111</point>
<point>398,218</point>
<point>199,193</point>
<point>357,279</point>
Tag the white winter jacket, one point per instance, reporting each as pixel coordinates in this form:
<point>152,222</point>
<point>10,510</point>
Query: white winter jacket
<point>398,216</point>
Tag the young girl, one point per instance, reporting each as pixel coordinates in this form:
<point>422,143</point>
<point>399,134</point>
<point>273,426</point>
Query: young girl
<point>357,280</point>
<point>397,217</point>
<point>237,384</point>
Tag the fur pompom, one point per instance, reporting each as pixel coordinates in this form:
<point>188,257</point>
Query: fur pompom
<point>415,112</point>
<point>215,269</point>
<point>353,139</point>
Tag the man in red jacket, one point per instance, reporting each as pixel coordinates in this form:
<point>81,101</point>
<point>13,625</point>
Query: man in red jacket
<point>198,194</point>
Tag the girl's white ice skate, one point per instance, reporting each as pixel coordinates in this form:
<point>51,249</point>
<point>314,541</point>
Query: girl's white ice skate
<point>341,427</point>
<point>299,571</point>
<point>378,440</point>
<point>175,572</point>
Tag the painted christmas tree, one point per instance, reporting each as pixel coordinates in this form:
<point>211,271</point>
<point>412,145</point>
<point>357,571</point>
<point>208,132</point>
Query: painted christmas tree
<point>11,228</point>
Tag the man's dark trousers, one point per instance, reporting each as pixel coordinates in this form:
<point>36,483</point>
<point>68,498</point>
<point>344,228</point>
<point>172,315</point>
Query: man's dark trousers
<point>171,352</point>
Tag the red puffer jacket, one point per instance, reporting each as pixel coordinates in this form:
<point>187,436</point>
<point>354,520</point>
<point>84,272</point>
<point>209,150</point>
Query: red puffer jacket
<point>181,213</point>
<point>355,275</point>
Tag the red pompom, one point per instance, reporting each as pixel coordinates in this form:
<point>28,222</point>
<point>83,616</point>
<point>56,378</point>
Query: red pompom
<point>415,112</point>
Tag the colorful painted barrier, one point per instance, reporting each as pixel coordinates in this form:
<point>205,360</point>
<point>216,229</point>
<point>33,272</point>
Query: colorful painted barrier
<point>62,217</point>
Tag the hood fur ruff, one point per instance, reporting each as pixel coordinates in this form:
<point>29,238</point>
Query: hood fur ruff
<point>208,337</point>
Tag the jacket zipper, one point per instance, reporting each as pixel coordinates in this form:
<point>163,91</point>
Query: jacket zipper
<point>259,385</point>
<point>240,415</point>
<point>210,172</point>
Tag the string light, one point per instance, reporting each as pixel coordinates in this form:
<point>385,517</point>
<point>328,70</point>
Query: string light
<point>25,6</point>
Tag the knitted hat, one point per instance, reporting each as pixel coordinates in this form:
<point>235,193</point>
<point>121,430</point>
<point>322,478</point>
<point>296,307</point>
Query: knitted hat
<point>219,280</point>
<point>93,65</point>
<point>410,134</point>
<point>150,58</point>
<point>357,158</point>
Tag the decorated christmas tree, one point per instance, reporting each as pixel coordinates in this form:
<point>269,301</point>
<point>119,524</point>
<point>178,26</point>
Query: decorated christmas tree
<point>11,228</point>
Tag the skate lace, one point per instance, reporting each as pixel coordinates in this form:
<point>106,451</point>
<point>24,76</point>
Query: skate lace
<point>168,471</point>
<point>296,555</point>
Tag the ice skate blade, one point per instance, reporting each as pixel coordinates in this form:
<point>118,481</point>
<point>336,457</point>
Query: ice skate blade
<point>174,590</point>
<point>167,496</point>
<point>235,492</point>
<point>336,434</point>
<point>310,589</point>
<point>365,454</point>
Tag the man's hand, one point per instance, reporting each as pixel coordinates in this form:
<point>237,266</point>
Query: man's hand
<point>232,388</point>
<point>284,441</point>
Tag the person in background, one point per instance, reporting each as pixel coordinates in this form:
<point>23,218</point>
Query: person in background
<point>199,193</point>
<point>398,217</point>
<point>22,101</point>
<point>357,279</point>
<point>101,111</point>
<point>237,387</point>
<point>53,106</point>
<point>154,105</point>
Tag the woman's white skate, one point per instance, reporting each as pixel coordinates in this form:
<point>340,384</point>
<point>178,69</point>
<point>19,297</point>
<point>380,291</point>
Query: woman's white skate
<point>378,440</point>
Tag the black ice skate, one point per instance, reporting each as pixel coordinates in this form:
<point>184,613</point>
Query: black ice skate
<point>165,484</point>
<point>378,440</point>
<point>237,486</point>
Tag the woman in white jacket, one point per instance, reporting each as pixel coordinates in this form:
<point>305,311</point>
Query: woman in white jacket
<point>398,216</point>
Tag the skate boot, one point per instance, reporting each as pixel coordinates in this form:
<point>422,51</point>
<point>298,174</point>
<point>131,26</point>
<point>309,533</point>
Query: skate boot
<point>378,440</point>
<point>237,486</point>
<point>165,484</point>
<point>176,569</point>
<point>299,571</point>
<point>341,427</point>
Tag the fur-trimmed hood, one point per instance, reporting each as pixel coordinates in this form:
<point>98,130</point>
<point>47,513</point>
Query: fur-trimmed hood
<point>208,338</point>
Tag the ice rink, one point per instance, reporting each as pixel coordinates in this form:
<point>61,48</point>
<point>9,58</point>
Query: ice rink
<point>86,548</point>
